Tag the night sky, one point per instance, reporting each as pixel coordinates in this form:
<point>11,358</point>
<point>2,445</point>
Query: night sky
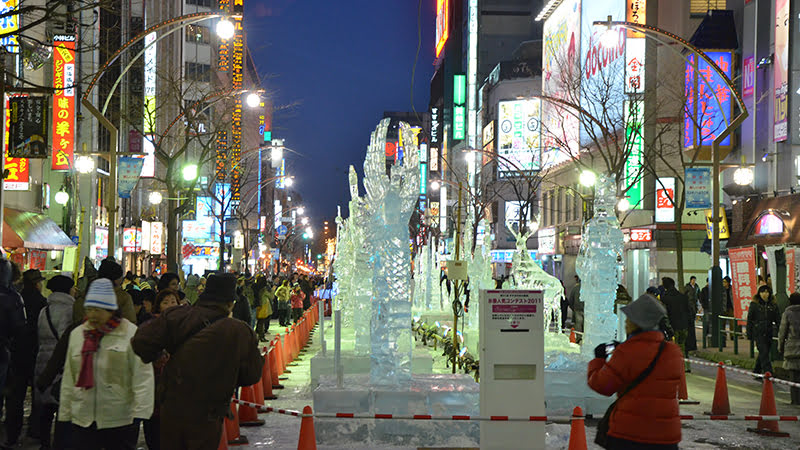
<point>335,66</point>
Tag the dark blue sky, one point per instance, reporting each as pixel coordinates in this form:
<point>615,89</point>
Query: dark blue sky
<point>338,65</point>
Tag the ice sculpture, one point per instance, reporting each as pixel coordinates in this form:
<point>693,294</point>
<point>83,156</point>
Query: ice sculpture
<point>361,280</point>
<point>480,277</point>
<point>597,264</point>
<point>389,202</point>
<point>343,268</point>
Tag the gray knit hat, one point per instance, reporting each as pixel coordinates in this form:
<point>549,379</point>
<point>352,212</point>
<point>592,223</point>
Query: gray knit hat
<point>646,312</point>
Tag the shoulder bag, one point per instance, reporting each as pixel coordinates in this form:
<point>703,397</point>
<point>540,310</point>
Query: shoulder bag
<point>601,438</point>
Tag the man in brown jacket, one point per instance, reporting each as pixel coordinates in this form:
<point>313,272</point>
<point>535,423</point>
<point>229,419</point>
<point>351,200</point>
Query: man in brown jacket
<point>210,355</point>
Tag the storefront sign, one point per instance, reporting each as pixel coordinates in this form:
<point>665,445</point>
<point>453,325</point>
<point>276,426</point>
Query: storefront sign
<point>748,76</point>
<point>743,278</point>
<point>28,128</point>
<point>156,238</point>
<point>519,137</point>
<point>63,102</point>
<point>547,241</point>
<point>791,270</point>
<point>101,243</point>
<point>724,231</point>
<point>780,70</point>
<point>18,178</point>
<point>698,187</point>
<point>442,24</point>
<point>131,240</point>
<point>37,259</point>
<point>9,24</point>
<point>641,235</point>
<point>488,133</point>
<point>665,199</point>
<point>703,100</point>
<point>459,106</point>
<point>146,236</point>
<point>128,170</point>
<point>634,141</point>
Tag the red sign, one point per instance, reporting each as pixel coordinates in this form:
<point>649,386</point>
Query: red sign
<point>743,278</point>
<point>18,171</point>
<point>641,235</point>
<point>37,259</point>
<point>63,102</point>
<point>442,24</point>
<point>187,250</point>
<point>748,76</point>
<point>791,276</point>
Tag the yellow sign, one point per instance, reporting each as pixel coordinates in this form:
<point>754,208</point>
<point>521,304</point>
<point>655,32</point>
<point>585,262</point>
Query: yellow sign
<point>724,231</point>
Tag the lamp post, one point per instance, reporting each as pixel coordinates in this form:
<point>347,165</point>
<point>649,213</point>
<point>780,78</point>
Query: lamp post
<point>670,40</point>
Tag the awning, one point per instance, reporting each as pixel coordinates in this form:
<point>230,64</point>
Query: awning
<point>33,231</point>
<point>773,221</point>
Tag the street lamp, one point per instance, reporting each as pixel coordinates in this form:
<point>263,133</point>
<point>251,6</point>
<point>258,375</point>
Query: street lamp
<point>588,178</point>
<point>155,198</point>
<point>62,197</point>
<point>84,164</point>
<point>743,176</point>
<point>304,221</point>
<point>288,182</point>
<point>624,204</point>
<point>253,100</point>
<point>225,29</point>
<point>301,211</point>
<point>190,172</point>
<point>435,185</point>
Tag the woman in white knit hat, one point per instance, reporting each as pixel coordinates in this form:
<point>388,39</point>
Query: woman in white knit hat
<point>105,387</point>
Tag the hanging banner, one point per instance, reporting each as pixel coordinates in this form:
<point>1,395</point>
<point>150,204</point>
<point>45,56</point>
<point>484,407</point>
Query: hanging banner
<point>37,259</point>
<point>18,178</point>
<point>27,133</point>
<point>156,237</point>
<point>698,187</point>
<point>128,170</point>
<point>743,279</point>
<point>791,272</point>
<point>781,71</point>
<point>724,231</point>
<point>63,102</point>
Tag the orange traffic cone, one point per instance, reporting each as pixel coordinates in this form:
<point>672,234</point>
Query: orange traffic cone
<point>274,366</point>
<point>720,406</point>
<point>232,431</point>
<point>308,439</point>
<point>572,336</point>
<point>577,430</point>
<point>287,348</point>
<point>768,408</point>
<point>281,347</point>
<point>223,440</point>
<point>266,380</point>
<point>683,392</point>
<point>248,416</point>
<point>258,391</point>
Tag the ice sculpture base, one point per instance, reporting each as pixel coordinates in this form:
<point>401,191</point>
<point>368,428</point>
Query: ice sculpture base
<point>434,394</point>
<point>565,388</point>
<point>421,363</point>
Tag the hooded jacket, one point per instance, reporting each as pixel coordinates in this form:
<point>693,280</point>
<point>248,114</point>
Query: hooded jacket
<point>59,306</point>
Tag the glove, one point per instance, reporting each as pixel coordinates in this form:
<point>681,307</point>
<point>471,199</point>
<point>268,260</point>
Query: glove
<point>600,351</point>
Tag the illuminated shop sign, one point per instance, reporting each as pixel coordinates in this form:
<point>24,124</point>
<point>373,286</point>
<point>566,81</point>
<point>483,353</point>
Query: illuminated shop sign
<point>459,108</point>
<point>641,235</point>
<point>9,24</point>
<point>63,102</point>
<point>703,100</point>
<point>634,141</point>
<point>519,136</point>
<point>442,24</point>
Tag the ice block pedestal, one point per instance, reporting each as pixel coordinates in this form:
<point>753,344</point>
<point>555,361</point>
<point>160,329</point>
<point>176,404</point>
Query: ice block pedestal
<point>434,394</point>
<point>566,388</point>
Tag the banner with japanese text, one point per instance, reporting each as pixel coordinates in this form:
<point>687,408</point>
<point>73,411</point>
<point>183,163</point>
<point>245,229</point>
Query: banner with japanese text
<point>128,170</point>
<point>743,279</point>
<point>63,102</point>
<point>18,178</point>
<point>791,271</point>
<point>28,128</point>
<point>698,187</point>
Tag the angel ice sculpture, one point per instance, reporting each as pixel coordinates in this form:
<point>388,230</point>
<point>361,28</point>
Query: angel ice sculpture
<point>388,205</point>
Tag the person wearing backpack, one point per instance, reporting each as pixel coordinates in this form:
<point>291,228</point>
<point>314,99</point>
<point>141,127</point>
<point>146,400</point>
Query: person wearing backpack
<point>211,355</point>
<point>54,320</point>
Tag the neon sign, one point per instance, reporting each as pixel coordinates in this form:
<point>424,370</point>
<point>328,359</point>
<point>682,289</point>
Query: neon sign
<point>702,98</point>
<point>442,24</point>
<point>63,102</point>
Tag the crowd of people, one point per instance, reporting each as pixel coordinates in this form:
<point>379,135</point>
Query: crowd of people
<point>113,354</point>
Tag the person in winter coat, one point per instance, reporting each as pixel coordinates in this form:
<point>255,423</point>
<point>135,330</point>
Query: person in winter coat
<point>192,283</point>
<point>23,361</point>
<point>110,270</point>
<point>12,319</point>
<point>53,321</point>
<point>170,282</point>
<point>297,303</point>
<point>789,343</point>
<point>283,293</point>
<point>106,387</point>
<point>678,312</point>
<point>648,414</point>
<point>196,389</point>
<point>762,322</point>
<point>264,311</point>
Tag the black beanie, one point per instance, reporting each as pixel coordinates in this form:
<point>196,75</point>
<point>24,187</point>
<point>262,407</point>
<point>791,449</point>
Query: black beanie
<point>60,283</point>
<point>109,269</point>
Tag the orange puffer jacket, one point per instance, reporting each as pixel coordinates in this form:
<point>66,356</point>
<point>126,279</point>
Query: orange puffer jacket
<point>649,413</point>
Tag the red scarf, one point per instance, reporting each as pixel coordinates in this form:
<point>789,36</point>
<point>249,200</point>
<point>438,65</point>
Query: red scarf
<point>91,342</point>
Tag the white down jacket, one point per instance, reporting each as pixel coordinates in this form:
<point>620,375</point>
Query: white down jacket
<point>59,305</point>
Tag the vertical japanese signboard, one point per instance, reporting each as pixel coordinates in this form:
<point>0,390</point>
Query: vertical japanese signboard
<point>442,24</point>
<point>8,25</point>
<point>156,237</point>
<point>698,187</point>
<point>748,76</point>
<point>237,76</point>
<point>28,127</point>
<point>704,98</point>
<point>459,106</point>
<point>635,48</point>
<point>18,178</point>
<point>63,102</point>
<point>743,279</point>
<point>665,199</point>
<point>781,70</point>
<point>791,270</point>
<point>634,141</point>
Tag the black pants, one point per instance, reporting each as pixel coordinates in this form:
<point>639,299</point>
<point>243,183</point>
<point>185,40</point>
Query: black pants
<point>284,315</point>
<point>118,438</point>
<point>794,376</point>
<point>17,385</point>
<point>152,433</point>
<point>180,433</point>
<point>262,327</point>
<point>297,313</point>
<point>763,361</point>
<point>615,443</point>
<point>63,430</point>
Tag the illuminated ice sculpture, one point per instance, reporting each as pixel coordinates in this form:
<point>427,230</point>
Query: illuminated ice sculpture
<point>597,265</point>
<point>388,205</point>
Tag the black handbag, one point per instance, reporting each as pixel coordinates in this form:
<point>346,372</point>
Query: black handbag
<point>601,438</point>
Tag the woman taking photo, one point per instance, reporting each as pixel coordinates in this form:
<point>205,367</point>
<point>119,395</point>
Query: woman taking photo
<point>644,372</point>
<point>105,385</point>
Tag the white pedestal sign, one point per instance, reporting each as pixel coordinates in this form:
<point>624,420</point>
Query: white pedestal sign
<point>512,367</point>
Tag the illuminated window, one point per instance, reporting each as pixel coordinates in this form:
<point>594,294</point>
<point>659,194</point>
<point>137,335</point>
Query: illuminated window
<point>197,72</point>
<point>769,224</point>
<point>206,3</point>
<point>701,7</point>
<point>198,34</point>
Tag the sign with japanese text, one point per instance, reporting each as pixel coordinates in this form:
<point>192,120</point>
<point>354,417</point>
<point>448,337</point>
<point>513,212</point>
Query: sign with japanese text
<point>28,127</point>
<point>519,137</point>
<point>156,238</point>
<point>145,244</point>
<point>698,187</point>
<point>748,76</point>
<point>708,104</point>
<point>791,270</point>
<point>634,141</point>
<point>641,235</point>
<point>18,178</point>
<point>63,102</point>
<point>459,106</point>
<point>128,170</point>
<point>724,231</point>
<point>37,259</point>
<point>8,25</point>
<point>634,65</point>
<point>100,243</point>
<point>131,240</point>
<point>442,24</point>
<point>519,310</point>
<point>743,279</point>
<point>547,241</point>
<point>780,71</point>
<point>665,199</point>
<point>637,13</point>
<point>150,53</point>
